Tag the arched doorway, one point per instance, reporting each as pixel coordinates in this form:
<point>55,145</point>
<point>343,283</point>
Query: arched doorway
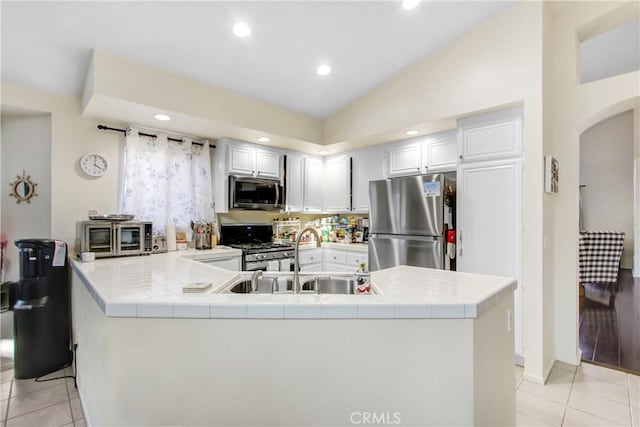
<point>609,299</point>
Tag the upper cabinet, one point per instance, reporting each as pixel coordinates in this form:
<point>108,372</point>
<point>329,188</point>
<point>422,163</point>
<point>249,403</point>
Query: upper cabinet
<point>337,184</point>
<point>496,135</point>
<point>267,164</point>
<point>405,159</point>
<point>244,159</point>
<point>433,153</point>
<point>366,166</point>
<point>313,185</point>
<point>294,182</point>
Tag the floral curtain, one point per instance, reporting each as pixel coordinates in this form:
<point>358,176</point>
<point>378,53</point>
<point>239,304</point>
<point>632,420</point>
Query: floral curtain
<point>166,182</point>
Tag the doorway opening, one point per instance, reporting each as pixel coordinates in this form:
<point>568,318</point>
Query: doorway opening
<point>609,300</point>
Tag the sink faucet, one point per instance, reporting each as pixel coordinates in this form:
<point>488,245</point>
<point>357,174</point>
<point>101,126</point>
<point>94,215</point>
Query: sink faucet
<point>254,280</point>
<point>296,266</point>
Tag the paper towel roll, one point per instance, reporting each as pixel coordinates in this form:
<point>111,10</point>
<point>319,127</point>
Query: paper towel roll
<point>170,234</point>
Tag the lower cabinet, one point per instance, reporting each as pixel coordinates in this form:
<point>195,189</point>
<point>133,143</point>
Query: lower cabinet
<point>331,260</point>
<point>310,260</point>
<point>233,263</point>
<point>344,261</point>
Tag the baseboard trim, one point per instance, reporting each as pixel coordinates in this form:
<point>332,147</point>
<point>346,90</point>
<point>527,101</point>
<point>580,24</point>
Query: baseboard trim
<point>87,420</point>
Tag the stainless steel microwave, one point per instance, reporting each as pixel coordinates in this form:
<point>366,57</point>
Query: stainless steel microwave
<point>255,193</point>
<point>111,239</point>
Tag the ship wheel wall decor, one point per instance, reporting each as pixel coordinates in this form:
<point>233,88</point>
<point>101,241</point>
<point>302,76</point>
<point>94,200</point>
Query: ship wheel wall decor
<point>23,189</point>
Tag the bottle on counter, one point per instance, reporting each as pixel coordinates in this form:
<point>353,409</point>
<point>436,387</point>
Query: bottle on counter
<point>362,277</point>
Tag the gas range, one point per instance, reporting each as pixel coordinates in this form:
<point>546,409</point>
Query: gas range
<point>258,252</point>
<point>264,251</point>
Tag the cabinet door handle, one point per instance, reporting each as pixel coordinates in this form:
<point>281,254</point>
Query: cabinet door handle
<point>426,167</point>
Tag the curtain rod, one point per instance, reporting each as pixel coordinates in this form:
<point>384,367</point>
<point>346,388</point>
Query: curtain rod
<point>124,131</point>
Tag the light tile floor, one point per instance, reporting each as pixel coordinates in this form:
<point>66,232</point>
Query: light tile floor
<point>42,404</point>
<point>588,395</point>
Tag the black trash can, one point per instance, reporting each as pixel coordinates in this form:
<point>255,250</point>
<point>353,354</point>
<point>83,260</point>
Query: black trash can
<point>41,315</point>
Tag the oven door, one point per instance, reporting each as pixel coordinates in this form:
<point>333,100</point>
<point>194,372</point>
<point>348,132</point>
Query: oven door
<point>130,238</point>
<point>254,193</point>
<point>99,238</point>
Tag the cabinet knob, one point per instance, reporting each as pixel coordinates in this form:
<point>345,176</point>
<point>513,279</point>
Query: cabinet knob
<point>460,156</point>
<point>426,167</point>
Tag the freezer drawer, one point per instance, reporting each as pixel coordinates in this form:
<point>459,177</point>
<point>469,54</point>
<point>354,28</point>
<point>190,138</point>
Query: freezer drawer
<point>388,251</point>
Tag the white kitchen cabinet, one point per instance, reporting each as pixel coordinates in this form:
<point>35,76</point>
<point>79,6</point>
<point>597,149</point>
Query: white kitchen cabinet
<point>489,220</point>
<point>249,160</point>
<point>313,185</point>
<point>310,260</point>
<point>405,159</point>
<point>295,183</point>
<point>432,153</point>
<point>491,136</point>
<point>344,260</point>
<point>440,154</point>
<point>241,160</point>
<point>233,263</point>
<point>367,166</point>
<point>267,164</point>
<point>337,184</point>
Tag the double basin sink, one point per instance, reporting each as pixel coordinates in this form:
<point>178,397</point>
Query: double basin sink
<point>324,284</point>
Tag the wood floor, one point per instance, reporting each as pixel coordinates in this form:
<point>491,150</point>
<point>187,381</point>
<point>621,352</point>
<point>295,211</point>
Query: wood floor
<point>610,323</point>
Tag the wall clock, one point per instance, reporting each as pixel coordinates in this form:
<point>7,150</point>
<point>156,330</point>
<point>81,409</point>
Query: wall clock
<point>93,164</point>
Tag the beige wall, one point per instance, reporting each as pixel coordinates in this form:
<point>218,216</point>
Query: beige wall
<point>575,108</point>
<point>26,146</point>
<point>606,171</point>
<point>72,193</point>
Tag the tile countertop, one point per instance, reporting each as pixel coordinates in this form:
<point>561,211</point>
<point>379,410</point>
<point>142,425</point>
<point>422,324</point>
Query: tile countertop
<point>151,286</point>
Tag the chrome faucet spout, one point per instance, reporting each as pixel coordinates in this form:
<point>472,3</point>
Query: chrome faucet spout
<point>254,280</point>
<point>296,265</point>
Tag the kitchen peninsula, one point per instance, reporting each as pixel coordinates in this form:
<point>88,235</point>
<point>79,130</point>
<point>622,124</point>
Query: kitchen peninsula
<point>430,348</point>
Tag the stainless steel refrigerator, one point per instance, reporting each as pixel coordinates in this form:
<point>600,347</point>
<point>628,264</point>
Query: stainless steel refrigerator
<point>411,218</point>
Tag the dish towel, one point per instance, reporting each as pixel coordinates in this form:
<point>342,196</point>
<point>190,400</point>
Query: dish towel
<point>599,256</point>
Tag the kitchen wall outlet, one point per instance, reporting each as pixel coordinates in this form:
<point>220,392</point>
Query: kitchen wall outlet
<point>546,243</point>
<point>93,212</point>
<point>509,320</point>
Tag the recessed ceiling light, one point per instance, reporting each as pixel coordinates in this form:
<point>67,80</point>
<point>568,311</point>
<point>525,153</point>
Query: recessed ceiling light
<point>241,29</point>
<point>161,117</point>
<point>412,132</point>
<point>324,152</point>
<point>409,4</point>
<point>323,70</point>
<point>264,139</point>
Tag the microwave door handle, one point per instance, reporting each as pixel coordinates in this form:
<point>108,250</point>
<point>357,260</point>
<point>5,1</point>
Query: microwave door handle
<point>277,201</point>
